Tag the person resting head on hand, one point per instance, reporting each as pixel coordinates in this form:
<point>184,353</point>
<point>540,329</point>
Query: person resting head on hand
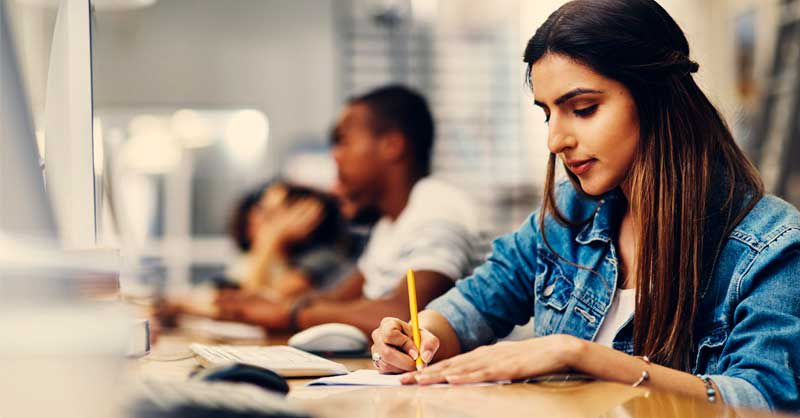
<point>293,241</point>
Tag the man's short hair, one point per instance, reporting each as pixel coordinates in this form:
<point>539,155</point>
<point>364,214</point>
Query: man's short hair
<point>399,108</point>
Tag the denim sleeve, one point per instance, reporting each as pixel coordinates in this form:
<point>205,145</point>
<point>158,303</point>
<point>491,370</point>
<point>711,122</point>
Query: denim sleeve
<point>498,295</point>
<point>739,392</point>
<point>759,362</point>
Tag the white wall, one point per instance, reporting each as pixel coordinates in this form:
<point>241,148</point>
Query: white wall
<point>272,55</point>
<point>534,131</point>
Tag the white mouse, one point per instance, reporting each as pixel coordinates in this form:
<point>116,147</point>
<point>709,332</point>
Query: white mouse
<point>331,338</point>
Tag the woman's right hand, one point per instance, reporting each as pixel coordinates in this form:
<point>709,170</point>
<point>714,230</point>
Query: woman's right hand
<point>290,223</point>
<point>394,351</point>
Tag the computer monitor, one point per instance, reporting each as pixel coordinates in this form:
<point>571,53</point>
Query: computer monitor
<point>25,209</point>
<point>68,114</point>
<point>29,236</point>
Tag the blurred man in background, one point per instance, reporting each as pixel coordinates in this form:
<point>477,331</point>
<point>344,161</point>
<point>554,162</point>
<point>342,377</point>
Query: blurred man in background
<point>382,145</point>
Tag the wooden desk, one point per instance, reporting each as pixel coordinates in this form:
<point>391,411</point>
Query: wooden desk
<point>572,399</point>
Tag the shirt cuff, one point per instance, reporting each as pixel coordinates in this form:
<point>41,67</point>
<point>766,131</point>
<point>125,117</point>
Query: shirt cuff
<point>736,391</point>
<point>470,327</point>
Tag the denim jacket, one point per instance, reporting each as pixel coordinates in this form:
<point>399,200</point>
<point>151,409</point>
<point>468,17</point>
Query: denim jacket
<point>747,335</point>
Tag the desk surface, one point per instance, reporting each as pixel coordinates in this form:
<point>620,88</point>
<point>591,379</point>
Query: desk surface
<point>170,360</point>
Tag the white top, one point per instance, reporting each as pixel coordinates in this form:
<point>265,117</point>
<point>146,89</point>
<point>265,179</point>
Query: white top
<point>439,230</point>
<point>620,311</point>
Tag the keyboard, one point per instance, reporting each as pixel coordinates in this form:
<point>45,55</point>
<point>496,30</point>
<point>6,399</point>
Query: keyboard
<point>197,399</point>
<point>223,330</point>
<point>284,360</point>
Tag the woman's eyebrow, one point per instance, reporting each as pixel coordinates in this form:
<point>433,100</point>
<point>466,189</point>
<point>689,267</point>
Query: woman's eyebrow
<point>573,93</point>
<point>569,95</point>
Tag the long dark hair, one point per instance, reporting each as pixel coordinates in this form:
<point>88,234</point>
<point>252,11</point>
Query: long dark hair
<point>684,146</point>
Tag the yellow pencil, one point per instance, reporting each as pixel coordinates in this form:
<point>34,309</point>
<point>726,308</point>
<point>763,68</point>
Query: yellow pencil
<point>412,306</point>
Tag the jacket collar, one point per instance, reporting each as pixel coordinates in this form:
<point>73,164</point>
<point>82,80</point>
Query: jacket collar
<point>604,220</point>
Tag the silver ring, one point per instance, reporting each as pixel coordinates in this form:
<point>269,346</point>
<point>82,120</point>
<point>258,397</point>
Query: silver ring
<point>376,358</point>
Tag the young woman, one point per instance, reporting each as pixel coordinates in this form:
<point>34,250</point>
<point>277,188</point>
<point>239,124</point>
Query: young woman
<point>660,262</point>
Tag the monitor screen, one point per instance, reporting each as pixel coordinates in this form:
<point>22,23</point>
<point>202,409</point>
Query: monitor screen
<point>24,206</point>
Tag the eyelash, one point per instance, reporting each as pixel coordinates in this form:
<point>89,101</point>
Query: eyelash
<point>585,112</point>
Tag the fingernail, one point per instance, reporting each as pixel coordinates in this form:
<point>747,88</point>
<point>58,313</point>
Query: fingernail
<point>408,378</point>
<point>413,353</point>
<point>427,356</point>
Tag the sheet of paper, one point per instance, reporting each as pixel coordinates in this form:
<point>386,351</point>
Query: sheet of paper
<point>367,377</point>
<point>362,377</point>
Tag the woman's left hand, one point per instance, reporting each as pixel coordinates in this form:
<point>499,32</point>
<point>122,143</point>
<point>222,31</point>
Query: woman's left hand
<point>502,361</point>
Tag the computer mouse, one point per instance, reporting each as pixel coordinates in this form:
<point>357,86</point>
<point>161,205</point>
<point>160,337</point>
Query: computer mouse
<point>331,339</point>
<point>245,373</point>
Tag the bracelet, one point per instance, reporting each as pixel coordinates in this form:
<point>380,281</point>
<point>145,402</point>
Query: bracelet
<point>711,393</point>
<point>645,374</point>
<point>299,304</point>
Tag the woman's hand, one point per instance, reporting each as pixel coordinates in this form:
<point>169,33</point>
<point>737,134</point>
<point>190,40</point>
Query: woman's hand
<point>289,223</point>
<point>394,351</point>
<point>502,361</point>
